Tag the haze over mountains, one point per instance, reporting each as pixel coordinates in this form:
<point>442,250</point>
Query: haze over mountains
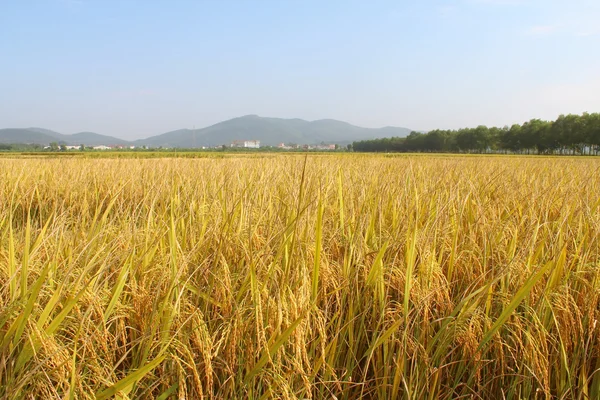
<point>45,136</point>
<point>270,132</point>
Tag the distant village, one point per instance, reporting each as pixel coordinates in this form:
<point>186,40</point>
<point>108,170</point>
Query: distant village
<point>255,144</point>
<point>63,147</point>
<point>236,144</point>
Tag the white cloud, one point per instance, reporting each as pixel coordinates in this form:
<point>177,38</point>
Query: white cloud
<point>539,30</point>
<point>574,27</point>
<point>585,33</point>
<point>500,2</point>
<point>576,18</point>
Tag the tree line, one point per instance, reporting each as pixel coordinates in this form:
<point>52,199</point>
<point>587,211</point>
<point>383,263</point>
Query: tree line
<point>569,134</point>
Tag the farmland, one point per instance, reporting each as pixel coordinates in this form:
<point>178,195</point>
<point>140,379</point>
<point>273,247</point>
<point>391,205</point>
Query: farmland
<point>285,276</point>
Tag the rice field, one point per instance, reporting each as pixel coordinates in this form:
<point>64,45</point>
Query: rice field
<point>293,277</point>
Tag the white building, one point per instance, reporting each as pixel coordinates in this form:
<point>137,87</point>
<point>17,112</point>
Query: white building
<point>101,147</point>
<point>249,144</point>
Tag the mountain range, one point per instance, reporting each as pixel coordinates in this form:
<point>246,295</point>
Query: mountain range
<point>270,132</point>
<point>46,136</point>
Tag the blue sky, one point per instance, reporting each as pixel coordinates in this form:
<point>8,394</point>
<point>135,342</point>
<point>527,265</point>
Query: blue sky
<point>135,69</point>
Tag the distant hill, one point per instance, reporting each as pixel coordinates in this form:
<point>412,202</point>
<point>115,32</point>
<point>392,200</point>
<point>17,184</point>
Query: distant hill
<point>180,138</point>
<point>47,132</point>
<point>94,139</point>
<point>45,137</point>
<point>270,132</point>
<point>15,135</point>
